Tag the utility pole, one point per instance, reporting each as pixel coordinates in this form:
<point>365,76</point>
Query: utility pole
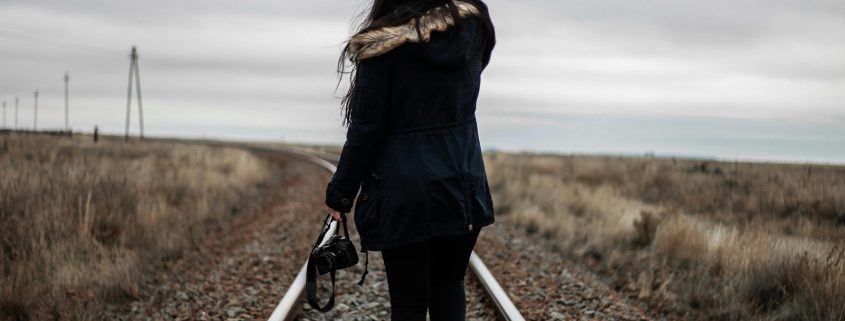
<point>133,70</point>
<point>35,113</point>
<point>16,112</point>
<point>138,90</point>
<point>67,121</point>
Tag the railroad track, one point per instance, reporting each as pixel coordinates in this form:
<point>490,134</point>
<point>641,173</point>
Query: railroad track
<point>239,270</point>
<point>290,304</point>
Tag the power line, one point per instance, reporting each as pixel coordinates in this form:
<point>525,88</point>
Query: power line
<point>35,112</point>
<point>67,94</point>
<point>133,70</point>
<point>16,112</point>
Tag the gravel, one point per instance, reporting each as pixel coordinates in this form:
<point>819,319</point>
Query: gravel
<point>544,285</point>
<point>371,300</point>
<point>241,270</point>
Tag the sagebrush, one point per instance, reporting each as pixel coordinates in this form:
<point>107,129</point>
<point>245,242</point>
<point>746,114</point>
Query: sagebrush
<point>80,221</point>
<point>727,241</point>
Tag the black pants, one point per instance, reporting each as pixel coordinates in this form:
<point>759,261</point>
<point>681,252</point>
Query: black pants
<point>429,276</point>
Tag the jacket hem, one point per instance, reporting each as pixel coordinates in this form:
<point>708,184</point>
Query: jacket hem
<point>428,237</point>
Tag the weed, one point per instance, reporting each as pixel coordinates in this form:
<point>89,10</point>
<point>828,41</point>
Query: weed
<point>79,222</point>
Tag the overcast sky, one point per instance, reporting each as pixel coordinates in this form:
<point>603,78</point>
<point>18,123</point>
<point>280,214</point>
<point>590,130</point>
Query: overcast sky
<point>266,69</point>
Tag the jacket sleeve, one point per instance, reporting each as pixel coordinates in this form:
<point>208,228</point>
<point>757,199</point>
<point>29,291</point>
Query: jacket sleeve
<point>365,135</point>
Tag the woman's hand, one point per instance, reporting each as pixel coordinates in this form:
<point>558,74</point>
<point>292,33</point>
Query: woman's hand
<point>335,214</point>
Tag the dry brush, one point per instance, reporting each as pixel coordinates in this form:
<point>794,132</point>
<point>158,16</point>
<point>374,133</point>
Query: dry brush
<point>720,241</point>
<point>80,222</point>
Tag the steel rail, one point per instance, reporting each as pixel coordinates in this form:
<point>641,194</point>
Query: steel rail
<point>506,307</point>
<point>288,305</point>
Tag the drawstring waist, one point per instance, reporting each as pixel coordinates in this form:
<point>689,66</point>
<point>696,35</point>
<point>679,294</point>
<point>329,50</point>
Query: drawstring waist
<point>447,126</point>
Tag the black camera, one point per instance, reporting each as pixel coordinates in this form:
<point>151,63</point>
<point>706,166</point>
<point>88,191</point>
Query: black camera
<point>338,253</point>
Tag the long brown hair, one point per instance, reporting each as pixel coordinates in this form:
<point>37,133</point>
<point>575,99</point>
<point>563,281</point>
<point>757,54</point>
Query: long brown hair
<point>386,13</point>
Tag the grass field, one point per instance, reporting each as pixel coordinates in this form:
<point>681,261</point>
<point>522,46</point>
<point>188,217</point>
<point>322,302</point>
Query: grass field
<point>701,239</point>
<point>79,221</point>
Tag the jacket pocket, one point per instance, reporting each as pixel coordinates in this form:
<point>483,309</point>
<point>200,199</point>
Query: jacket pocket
<point>368,210</point>
<point>479,200</point>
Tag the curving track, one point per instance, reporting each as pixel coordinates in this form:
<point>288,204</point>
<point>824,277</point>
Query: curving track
<point>238,270</point>
<point>289,304</point>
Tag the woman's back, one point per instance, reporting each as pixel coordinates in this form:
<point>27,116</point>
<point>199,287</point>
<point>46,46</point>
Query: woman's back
<point>436,83</point>
<point>413,116</point>
<point>413,150</point>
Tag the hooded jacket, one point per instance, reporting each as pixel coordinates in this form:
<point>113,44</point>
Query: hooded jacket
<point>412,145</point>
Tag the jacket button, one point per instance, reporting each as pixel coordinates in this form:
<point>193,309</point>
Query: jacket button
<point>470,227</point>
<point>344,202</point>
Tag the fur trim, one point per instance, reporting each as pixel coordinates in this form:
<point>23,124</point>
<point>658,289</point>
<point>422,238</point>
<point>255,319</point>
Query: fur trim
<point>377,42</point>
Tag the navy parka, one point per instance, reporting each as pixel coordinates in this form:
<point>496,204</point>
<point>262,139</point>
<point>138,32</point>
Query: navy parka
<point>412,145</point>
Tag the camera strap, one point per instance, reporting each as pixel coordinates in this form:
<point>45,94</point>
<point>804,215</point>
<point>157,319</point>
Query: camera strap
<point>366,268</point>
<point>311,269</point>
<point>311,288</point>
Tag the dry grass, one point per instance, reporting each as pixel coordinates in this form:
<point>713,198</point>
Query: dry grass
<point>725,241</point>
<point>80,221</point>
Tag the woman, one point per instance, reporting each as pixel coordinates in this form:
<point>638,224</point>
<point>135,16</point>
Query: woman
<point>412,148</point>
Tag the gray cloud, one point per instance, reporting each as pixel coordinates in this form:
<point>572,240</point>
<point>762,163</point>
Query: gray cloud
<point>254,68</point>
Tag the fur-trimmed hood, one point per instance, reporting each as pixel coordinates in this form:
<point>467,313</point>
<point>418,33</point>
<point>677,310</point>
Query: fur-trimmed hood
<point>377,42</point>
<point>412,148</point>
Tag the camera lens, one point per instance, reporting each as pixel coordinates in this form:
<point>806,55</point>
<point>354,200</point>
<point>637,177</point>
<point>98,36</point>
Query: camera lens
<point>326,262</point>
